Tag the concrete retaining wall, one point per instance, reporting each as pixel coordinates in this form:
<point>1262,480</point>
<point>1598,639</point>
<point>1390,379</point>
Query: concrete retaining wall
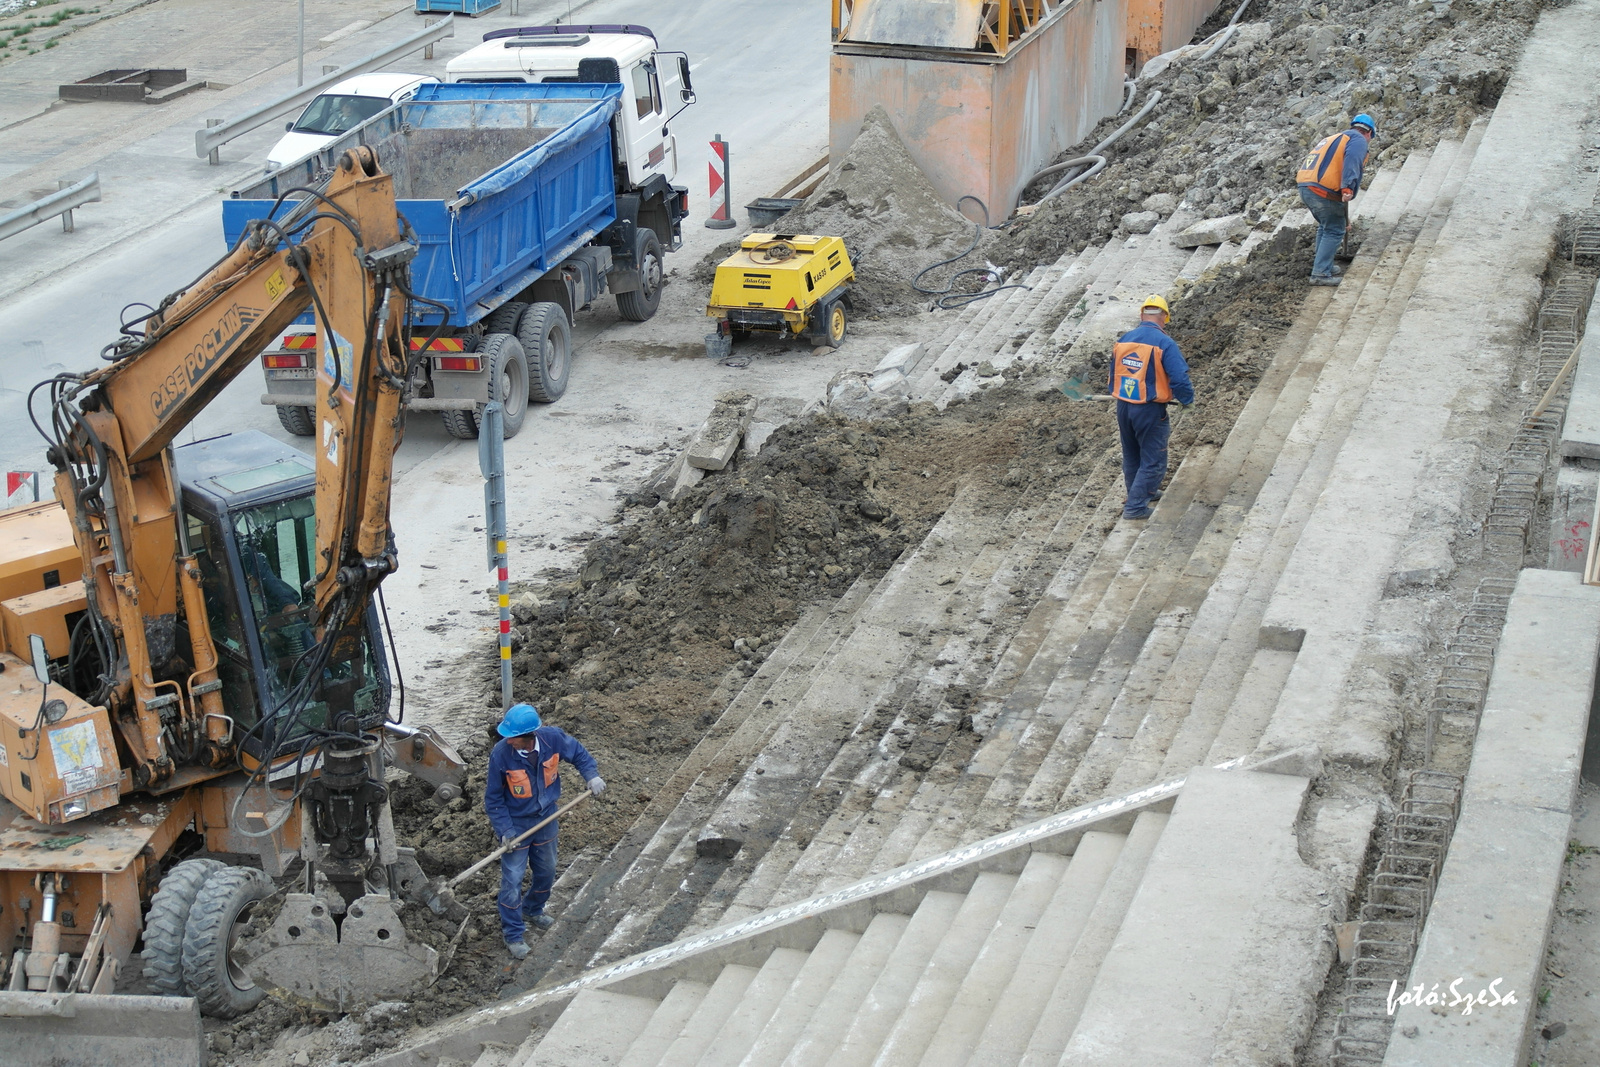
<point>979,124</point>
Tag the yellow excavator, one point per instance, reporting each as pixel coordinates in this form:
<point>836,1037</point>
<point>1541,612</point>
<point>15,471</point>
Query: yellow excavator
<point>195,727</point>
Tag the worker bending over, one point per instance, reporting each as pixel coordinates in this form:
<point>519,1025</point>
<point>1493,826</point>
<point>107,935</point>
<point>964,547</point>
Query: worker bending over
<point>1147,374</point>
<point>1329,179</point>
<point>524,787</point>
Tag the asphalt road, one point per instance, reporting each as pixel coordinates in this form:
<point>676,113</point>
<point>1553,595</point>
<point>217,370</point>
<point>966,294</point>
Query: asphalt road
<point>760,70</point>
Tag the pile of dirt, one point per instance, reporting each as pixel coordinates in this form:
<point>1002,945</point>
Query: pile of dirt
<point>1230,131</point>
<point>892,222</point>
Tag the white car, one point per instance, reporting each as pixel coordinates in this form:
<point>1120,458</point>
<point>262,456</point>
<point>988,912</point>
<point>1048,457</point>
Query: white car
<point>342,108</point>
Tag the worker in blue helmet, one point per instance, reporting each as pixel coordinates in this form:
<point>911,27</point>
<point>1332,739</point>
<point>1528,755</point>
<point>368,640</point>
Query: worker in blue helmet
<point>524,787</point>
<point>1329,178</point>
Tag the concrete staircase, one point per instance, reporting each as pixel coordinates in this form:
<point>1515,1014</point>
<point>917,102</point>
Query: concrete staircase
<point>1017,950</point>
<point>1087,654</point>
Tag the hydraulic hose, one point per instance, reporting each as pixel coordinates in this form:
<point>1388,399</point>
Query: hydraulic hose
<point>1095,153</point>
<point>1224,35</point>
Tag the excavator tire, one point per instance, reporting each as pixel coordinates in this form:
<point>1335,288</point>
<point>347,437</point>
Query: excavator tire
<point>547,345</point>
<point>164,925</point>
<point>297,420</point>
<point>640,304</point>
<point>220,985</point>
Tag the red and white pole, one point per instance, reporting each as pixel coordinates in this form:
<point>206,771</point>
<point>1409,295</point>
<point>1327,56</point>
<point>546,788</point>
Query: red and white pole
<point>721,192</point>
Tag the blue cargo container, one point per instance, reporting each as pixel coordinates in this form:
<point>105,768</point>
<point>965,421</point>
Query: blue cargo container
<point>500,182</point>
<point>512,191</point>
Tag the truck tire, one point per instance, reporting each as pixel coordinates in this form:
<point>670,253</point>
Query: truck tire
<point>461,424</point>
<point>640,304</point>
<point>223,905</point>
<point>547,345</point>
<point>508,379</point>
<point>297,420</point>
<point>165,923</point>
<point>504,319</point>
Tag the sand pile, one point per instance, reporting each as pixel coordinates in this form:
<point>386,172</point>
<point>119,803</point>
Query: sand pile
<point>892,221</point>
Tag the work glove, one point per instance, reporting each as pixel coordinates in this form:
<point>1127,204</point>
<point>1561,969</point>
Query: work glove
<point>597,785</point>
<point>507,839</point>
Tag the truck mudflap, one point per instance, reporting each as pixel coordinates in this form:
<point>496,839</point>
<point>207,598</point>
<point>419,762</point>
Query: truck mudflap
<point>305,958</point>
<point>105,1029</point>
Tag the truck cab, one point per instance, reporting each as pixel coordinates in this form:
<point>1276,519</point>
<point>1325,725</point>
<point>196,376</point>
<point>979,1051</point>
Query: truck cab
<point>656,89</point>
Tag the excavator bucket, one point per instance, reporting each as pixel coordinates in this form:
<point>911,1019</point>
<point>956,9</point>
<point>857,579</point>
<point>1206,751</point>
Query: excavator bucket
<point>45,1029</point>
<point>305,958</point>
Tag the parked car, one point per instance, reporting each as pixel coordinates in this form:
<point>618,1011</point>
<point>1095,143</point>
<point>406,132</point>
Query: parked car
<point>342,108</point>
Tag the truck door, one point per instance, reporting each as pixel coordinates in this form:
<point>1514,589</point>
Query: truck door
<point>643,117</point>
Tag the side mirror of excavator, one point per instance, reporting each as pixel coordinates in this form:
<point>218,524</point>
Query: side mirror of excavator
<point>41,658</point>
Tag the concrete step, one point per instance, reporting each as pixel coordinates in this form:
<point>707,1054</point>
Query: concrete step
<point>1059,301</point>
<point>737,1034</point>
<point>862,1029</point>
<point>666,1023</point>
<point>993,1016</point>
<point>722,999</point>
<point>817,1040</point>
<point>823,965</point>
<point>595,1030</point>
<point>975,963</point>
<point>1043,1044</point>
<point>1226,912</point>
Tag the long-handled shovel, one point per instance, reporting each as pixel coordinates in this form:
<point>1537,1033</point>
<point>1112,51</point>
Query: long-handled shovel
<point>441,894</point>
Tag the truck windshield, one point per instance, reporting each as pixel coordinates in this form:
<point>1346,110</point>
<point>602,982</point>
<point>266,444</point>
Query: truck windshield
<point>333,115</point>
<point>277,552</point>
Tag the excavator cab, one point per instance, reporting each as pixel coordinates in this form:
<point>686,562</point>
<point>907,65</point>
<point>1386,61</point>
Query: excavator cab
<point>250,508</point>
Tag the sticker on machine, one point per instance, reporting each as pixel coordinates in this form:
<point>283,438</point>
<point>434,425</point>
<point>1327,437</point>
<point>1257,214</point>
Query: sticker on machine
<point>4,760</point>
<point>74,782</point>
<point>75,748</point>
<point>337,359</point>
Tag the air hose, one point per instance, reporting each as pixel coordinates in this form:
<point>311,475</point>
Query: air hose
<point>946,298</point>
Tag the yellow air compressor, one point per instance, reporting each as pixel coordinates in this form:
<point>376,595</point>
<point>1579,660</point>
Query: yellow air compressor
<point>791,284</point>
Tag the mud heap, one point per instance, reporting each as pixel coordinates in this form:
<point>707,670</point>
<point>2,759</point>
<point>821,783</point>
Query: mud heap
<point>1229,132</point>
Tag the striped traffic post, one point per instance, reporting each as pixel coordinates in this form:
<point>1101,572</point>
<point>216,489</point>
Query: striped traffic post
<point>721,192</point>
<point>492,463</point>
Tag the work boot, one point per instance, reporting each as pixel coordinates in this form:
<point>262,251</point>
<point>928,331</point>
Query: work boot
<point>1325,279</point>
<point>518,949</point>
<point>1142,513</point>
<point>540,921</point>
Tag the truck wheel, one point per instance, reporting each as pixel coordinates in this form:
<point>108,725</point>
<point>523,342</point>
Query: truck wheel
<point>220,911</point>
<point>547,345</point>
<point>164,925</point>
<point>508,379</point>
<point>640,304</point>
<point>461,424</point>
<point>504,319</point>
<point>297,420</point>
<point>832,324</point>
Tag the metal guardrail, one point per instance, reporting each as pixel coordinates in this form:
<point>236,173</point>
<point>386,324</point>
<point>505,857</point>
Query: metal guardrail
<point>61,203</point>
<point>219,132</point>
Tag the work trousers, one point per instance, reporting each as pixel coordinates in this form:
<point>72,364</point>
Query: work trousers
<point>1144,429</point>
<point>516,907</point>
<point>1333,216</point>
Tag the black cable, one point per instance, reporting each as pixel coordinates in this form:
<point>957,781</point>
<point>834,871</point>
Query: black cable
<point>948,299</point>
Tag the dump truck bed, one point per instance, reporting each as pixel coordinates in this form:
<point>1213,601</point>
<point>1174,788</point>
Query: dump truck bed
<point>500,182</point>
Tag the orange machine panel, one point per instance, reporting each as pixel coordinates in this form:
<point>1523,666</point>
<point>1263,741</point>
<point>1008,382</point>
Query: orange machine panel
<point>36,549</point>
<point>44,613</point>
<point>58,760</point>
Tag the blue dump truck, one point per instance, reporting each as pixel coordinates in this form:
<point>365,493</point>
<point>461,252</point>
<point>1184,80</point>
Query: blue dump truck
<point>523,214</point>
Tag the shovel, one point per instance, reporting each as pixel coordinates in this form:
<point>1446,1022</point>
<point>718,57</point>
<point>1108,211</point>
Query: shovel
<point>441,894</point>
<point>1078,389</point>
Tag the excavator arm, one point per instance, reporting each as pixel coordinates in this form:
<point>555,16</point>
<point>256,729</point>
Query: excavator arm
<point>339,250</point>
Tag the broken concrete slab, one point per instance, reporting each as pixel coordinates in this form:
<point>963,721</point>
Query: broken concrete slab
<point>1141,221</point>
<point>1213,231</point>
<point>716,442</point>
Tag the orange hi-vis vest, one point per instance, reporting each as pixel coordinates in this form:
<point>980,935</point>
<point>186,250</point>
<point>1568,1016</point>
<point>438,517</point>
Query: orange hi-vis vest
<point>1138,374</point>
<point>1323,168</point>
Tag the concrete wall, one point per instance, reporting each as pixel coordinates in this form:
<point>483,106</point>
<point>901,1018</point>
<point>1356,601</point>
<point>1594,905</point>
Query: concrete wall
<point>980,124</point>
<point>1156,26</point>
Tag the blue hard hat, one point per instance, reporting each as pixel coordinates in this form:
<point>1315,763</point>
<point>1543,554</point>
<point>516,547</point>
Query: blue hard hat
<point>520,719</point>
<point>1367,121</point>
